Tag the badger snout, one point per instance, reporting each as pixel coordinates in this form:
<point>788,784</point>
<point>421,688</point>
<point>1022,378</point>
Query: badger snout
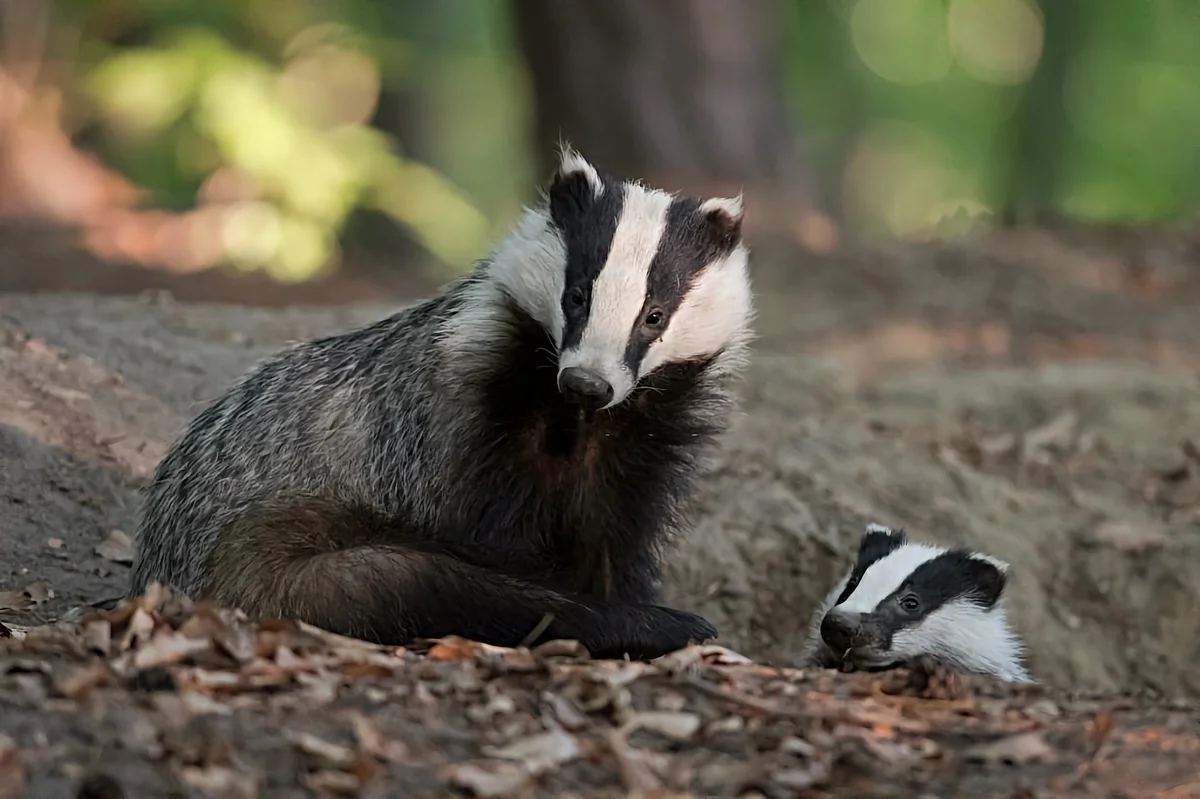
<point>839,629</point>
<point>584,388</point>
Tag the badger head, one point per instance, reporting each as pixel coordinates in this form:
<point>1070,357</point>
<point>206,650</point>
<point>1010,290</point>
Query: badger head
<point>903,599</point>
<point>626,278</point>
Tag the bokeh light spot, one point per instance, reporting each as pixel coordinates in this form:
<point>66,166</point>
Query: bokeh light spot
<point>897,177</point>
<point>996,41</point>
<point>902,41</point>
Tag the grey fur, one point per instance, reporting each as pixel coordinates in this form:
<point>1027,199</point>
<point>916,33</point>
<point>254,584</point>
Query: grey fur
<point>390,419</point>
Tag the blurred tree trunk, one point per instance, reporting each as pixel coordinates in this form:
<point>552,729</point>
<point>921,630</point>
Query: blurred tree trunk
<point>687,94</point>
<point>1040,119</point>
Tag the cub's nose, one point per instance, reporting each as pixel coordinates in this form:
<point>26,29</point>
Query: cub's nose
<point>584,387</point>
<point>838,629</point>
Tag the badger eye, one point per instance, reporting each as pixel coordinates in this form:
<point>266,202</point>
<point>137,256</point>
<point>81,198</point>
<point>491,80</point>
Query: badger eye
<point>910,603</point>
<point>575,297</point>
<point>654,318</point>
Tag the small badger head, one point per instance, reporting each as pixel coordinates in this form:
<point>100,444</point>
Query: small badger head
<point>902,600</point>
<point>626,279</point>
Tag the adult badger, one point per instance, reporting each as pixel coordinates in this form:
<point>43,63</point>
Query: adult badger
<point>516,449</point>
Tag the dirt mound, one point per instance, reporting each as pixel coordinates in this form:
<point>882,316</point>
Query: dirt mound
<point>1077,474</point>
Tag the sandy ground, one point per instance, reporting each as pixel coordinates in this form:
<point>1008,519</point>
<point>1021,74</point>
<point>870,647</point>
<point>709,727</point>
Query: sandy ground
<point>1034,394</point>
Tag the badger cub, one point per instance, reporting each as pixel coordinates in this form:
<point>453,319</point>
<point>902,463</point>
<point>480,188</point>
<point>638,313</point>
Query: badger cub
<point>903,601</point>
<point>516,450</point>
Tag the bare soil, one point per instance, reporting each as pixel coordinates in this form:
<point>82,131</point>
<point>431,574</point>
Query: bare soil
<point>1034,393</point>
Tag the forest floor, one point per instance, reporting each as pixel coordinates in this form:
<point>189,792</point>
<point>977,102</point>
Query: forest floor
<point>1033,393</point>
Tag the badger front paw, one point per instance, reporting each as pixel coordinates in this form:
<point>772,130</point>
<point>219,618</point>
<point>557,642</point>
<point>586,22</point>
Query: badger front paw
<point>658,630</point>
<point>614,630</point>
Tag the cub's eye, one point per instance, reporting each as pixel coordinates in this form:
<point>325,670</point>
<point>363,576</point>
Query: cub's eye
<point>910,603</point>
<point>654,318</point>
<point>576,298</point>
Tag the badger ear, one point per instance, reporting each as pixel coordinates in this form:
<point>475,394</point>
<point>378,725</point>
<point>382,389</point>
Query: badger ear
<point>989,579</point>
<point>575,184</point>
<point>723,216</point>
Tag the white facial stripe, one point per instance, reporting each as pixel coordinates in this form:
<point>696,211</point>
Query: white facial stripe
<point>964,633</point>
<point>620,290</point>
<point>716,310</point>
<point>885,575</point>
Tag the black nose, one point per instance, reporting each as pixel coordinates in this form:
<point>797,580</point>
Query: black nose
<point>584,388</point>
<point>838,629</point>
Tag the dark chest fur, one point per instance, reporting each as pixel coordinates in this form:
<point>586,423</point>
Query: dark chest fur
<point>582,503</point>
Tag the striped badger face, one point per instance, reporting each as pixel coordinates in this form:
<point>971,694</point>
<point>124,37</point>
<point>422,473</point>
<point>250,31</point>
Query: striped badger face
<point>902,600</point>
<point>627,279</point>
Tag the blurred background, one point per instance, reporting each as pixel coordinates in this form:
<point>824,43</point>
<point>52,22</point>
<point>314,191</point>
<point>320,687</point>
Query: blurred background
<point>244,149</point>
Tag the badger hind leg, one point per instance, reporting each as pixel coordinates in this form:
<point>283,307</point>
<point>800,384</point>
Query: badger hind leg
<point>350,572</point>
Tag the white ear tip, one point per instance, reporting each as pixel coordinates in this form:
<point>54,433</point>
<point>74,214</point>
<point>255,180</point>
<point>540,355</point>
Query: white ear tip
<point>730,206</point>
<point>570,162</point>
<point>879,528</point>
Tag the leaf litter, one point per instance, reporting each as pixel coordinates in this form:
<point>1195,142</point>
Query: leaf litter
<point>164,693</point>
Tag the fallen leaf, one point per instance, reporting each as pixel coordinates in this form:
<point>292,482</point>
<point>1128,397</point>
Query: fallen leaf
<point>679,726</point>
<point>330,781</point>
<point>452,648</point>
<point>200,705</point>
<point>138,629</point>
<point>117,546</point>
<point>637,767</point>
<point>168,648</point>
<point>562,648</point>
<point>54,543</point>
<point>97,636</point>
<point>721,656</point>
<point>83,679</point>
<point>487,778</point>
<point>539,753</point>
<point>221,781</point>
<point>568,713</point>
<point>374,742</point>
<point>1102,725</point>
<point>12,770</point>
<point>330,754</point>
<point>1014,750</point>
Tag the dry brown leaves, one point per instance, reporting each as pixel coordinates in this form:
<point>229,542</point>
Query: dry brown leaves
<point>360,719</point>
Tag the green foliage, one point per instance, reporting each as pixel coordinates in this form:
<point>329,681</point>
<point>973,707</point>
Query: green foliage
<point>909,109</point>
<point>290,118</point>
<point>924,95</point>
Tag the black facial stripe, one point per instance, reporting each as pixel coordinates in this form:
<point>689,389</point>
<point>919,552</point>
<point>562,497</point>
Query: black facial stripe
<point>873,546</point>
<point>688,244</point>
<point>587,224</point>
<point>951,575</point>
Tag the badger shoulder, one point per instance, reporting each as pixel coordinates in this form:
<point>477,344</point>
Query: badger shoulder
<point>903,600</point>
